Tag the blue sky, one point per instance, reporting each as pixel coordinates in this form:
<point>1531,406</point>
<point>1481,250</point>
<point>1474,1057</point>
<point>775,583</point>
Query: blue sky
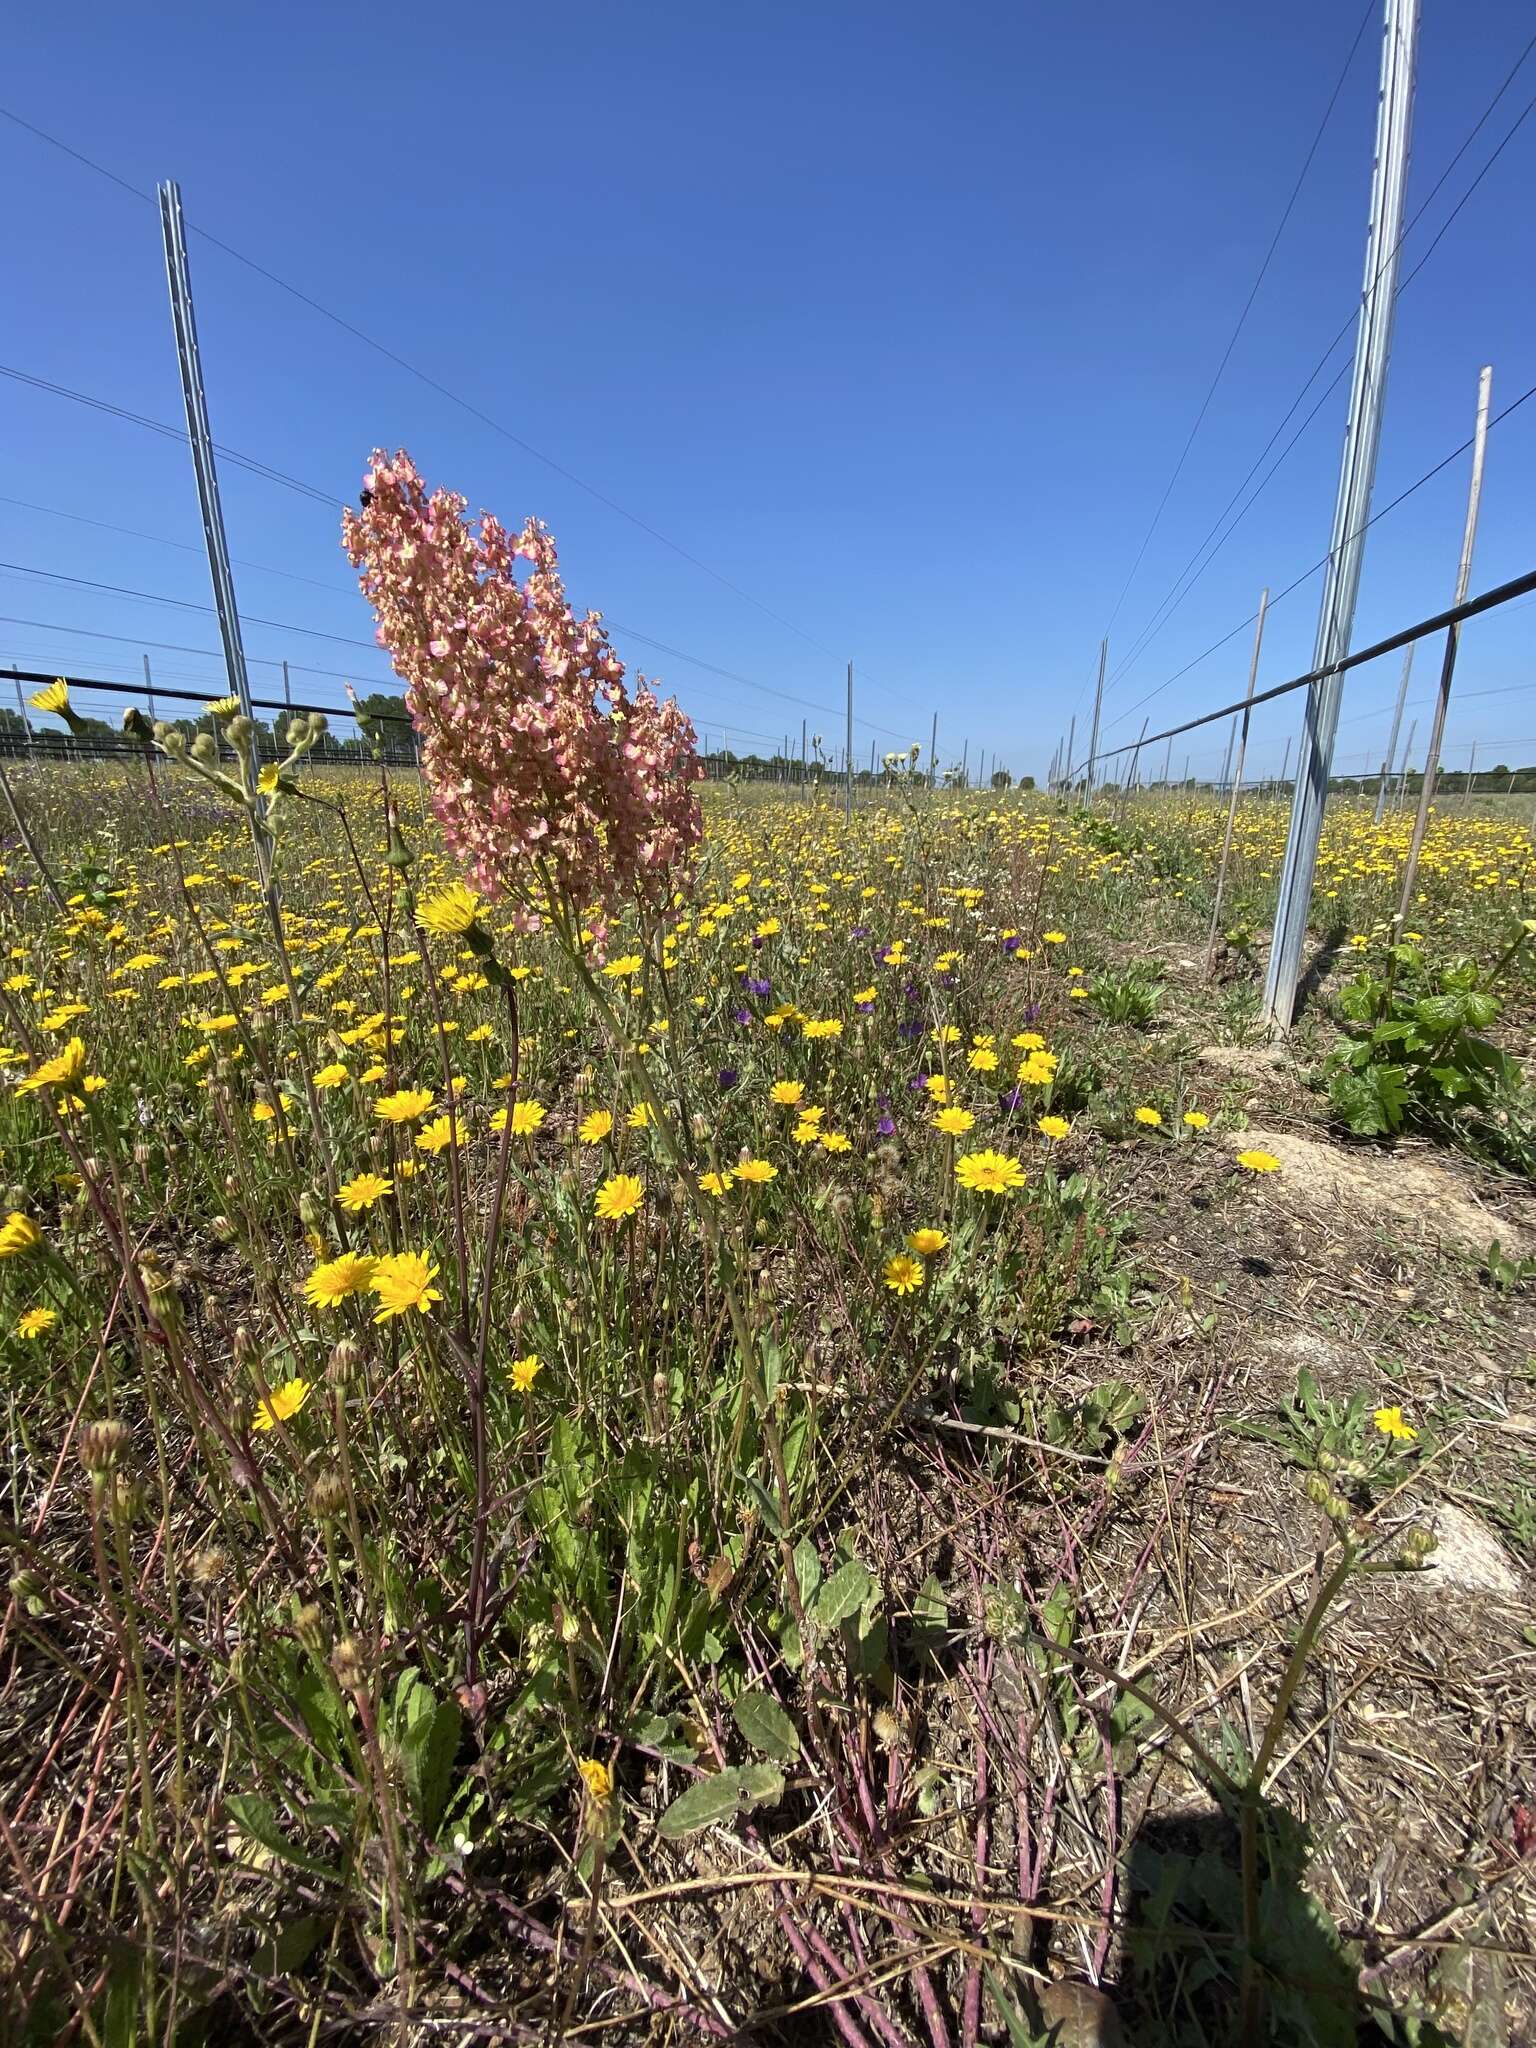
<point>894,321</point>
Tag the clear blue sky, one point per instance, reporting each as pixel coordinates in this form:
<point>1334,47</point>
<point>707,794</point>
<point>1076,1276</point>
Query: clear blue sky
<point>894,318</point>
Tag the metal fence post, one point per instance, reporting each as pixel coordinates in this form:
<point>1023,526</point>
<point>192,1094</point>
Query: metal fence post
<point>1452,641</point>
<point>1397,722</point>
<point>848,756</point>
<point>1098,700</point>
<point>179,278</point>
<point>1237,781</point>
<point>1352,510</point>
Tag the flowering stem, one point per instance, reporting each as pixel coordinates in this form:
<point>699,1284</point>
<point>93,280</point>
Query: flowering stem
<point>474,1604</point>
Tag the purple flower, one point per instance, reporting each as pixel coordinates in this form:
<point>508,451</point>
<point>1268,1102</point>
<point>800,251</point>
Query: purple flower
<point>743,1016</point>
<point>860,931</point>
<point>1011,1099</point>
<point>727,1079</point>
<point>918,1083</point>
<point>1031,1012</point>
<point>912,1028</point>
<point>758,988</point>
<point>886,1127</point>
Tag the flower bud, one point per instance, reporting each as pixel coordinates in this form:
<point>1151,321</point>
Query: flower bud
<point>247,1351</point>
<point>327,1495</point>
<point>311,1211</point>
<point>126,1498</point>
<point>102,1444</point>
<point>346,1362</point>
<point>26,1588</point>
<point>207,1567</point>
<point>309,1627</point>
<point>204,751</point>
<point>347,1663</point>
<point>224,1229</point>
<point>241,731</point>
<point>1317,1489</point>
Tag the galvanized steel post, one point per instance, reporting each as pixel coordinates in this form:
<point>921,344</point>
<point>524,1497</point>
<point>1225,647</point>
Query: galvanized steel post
<point>1356,477</point>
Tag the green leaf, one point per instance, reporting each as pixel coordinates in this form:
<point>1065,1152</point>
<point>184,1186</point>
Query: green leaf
<point>807,1570</point>
<point>257,1819</point>
<point>427,1733</point>
<point>291,1947</point>
<point>766,1726</point>
<point>767,1506</point>
<point>759,1785</point>
<point>843,1594</point>
<point>714,1799</point>
<point>706,1803</point>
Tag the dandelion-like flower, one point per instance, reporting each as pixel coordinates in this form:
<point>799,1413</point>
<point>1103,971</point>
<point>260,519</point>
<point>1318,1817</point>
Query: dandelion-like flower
<point>281,1405</point>
<point>449,913</point>
<point>1390,1422</point>
<point>18,1234</point>
<point>333,1281</point>
<point>1259,1162</point>
<point>404,1106</point>
<point>362,1191</point>
<point>755,1171</point>
<point>619,1196</point>
<point>525,1371</point>
<point>989,1173</point>
<point>403,1281</point>
<point>61,1071</point>
<point>926,1242</point>
<point>1152,1118</point>
<point>901,1274</point>
<point>1054,1127</point>
<point>953,1122</point>
<point>34,1321</point>
<point>594,1128</point>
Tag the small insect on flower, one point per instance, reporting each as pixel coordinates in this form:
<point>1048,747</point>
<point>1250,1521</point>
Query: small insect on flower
<point>403,1281</point>
<point>449,913</point>
<point>953,1122</point>
<point>18,1234</point>
<point>989,1173</point>
<point>926,1242</point>
<point>362,1191</point>
<point>901,1274</point>
<point>404,1106</point>
<point>334,1280</point>
<point>619,1196</point>
<point>1196,1119</point>
<point>281,1405</point>
<point>35,1321</point>
<point>525,1371</point>
<point>597,1778</point>
<point>1259,1162</point>
<point>1152,1118</point>
<point>594,1128</point>
<point>1053,1127</point>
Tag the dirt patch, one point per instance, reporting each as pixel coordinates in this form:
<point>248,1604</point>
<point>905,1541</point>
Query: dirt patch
<point>1249,1062</point>
<point>1469,1556</point>
<point>1407,1191</point>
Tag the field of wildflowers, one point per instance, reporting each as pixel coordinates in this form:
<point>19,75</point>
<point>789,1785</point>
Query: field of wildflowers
<point>620,1412</point>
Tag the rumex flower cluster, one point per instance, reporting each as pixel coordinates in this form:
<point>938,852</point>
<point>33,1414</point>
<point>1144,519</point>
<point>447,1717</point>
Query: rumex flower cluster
<point>535,752</point>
